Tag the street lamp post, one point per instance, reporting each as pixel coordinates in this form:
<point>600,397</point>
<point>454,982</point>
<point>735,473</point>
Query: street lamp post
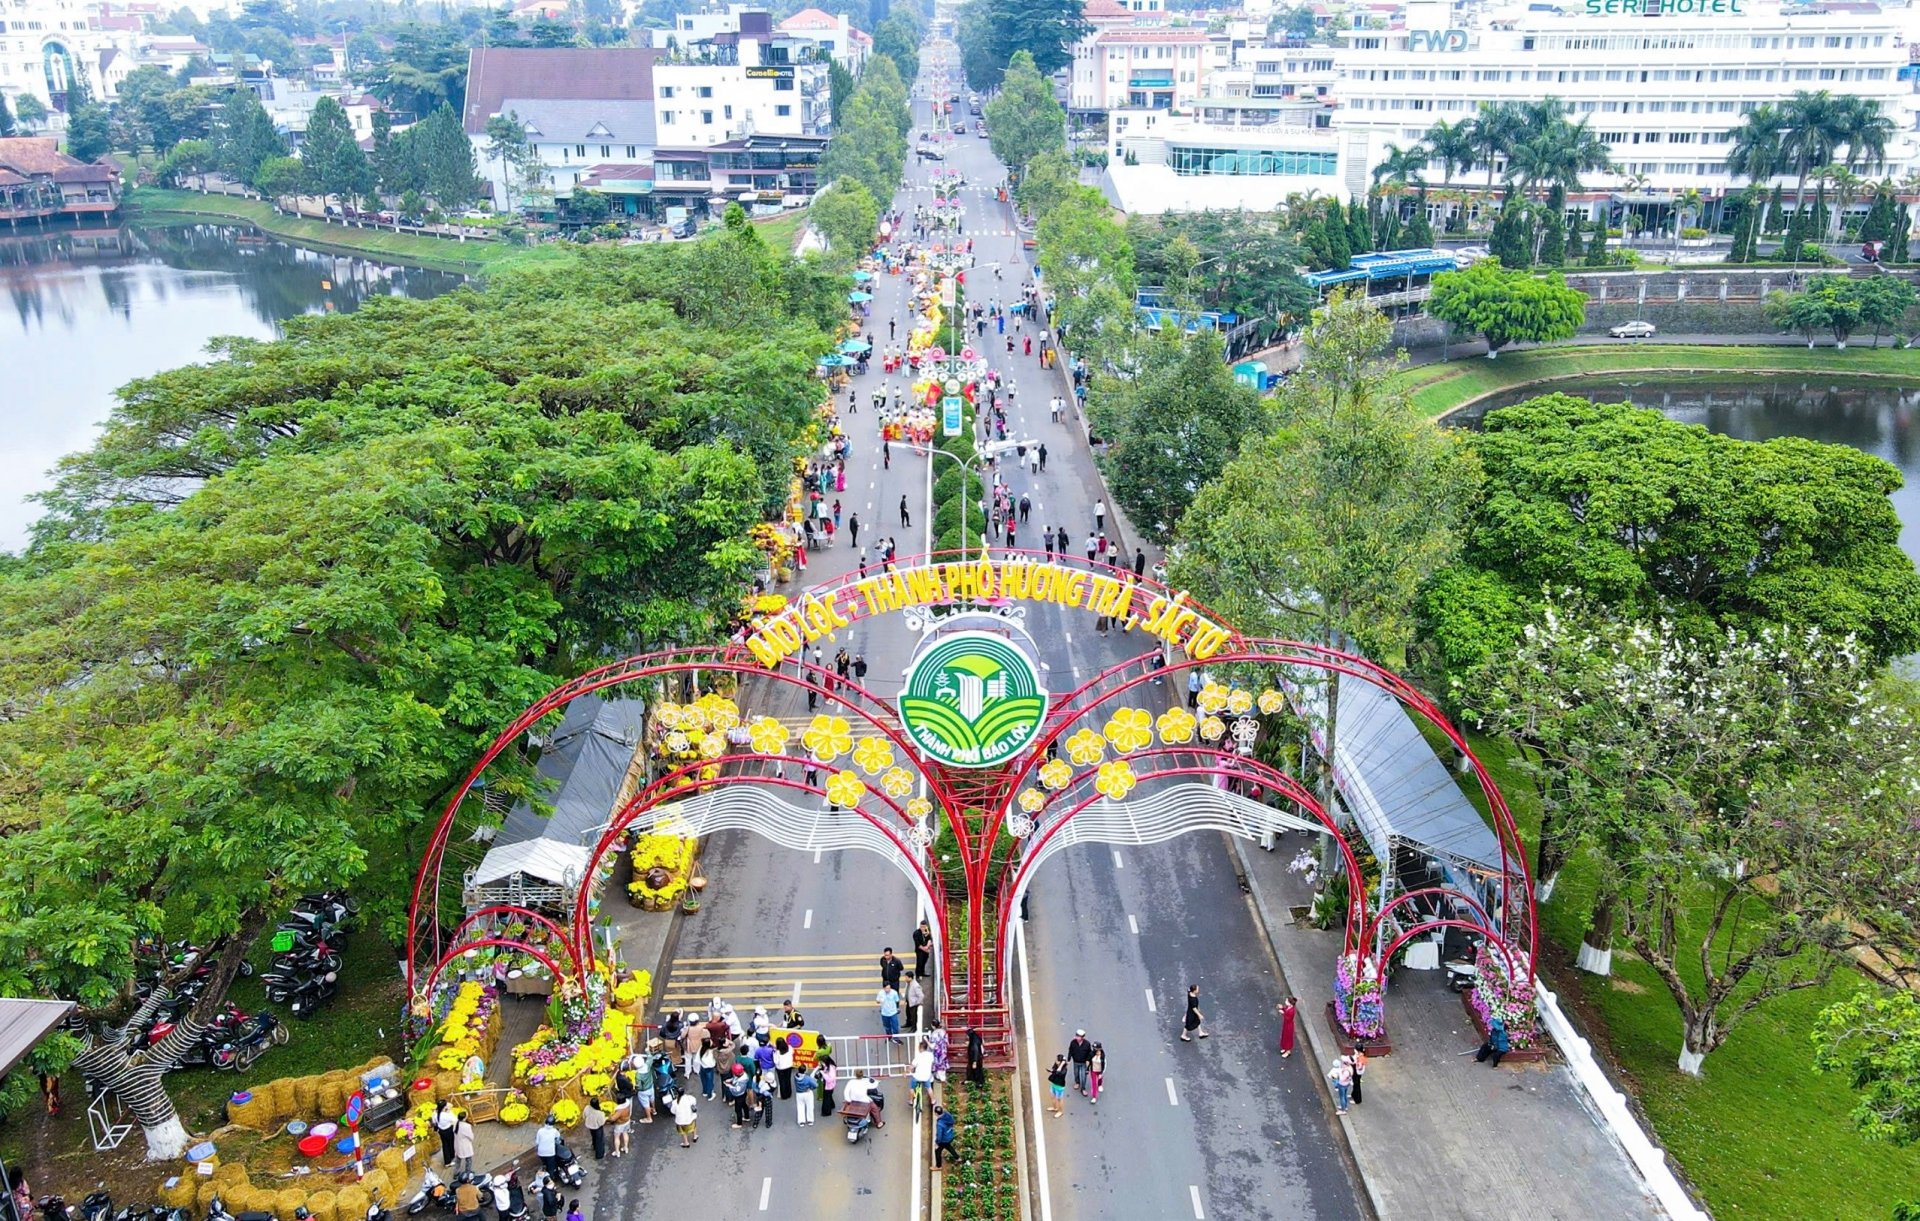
<point>981,453</point>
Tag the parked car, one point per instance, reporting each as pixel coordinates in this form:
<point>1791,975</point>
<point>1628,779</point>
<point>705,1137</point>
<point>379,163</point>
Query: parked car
<point>929,154</point>
<point>1633,330</point>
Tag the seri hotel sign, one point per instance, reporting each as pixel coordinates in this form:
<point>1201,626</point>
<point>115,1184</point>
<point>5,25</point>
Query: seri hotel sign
<point>1119,596</point>
<point>1455,40</point>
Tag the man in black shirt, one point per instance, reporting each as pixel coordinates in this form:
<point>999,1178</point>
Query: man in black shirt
<point>890,968</point>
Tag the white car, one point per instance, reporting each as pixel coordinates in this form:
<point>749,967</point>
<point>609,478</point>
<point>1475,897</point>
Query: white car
<point>1633,330</point>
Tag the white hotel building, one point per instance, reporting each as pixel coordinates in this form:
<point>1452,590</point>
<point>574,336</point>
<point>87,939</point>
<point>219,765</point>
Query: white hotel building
<point>1664,89</point>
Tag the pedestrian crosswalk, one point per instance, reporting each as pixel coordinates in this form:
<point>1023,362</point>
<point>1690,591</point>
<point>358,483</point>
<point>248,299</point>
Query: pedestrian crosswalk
<point>812,981</point>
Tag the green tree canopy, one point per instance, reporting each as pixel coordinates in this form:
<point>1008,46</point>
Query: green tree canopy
<point>1667,519</point>
<point>88,133</point>
<point>1873,1039</point>
<point>1025,120</point>
<point>1504,306</point>
<point>849,219</point>
<point>331,155</point>
<point>992,31</point>
<point>1171,428</point>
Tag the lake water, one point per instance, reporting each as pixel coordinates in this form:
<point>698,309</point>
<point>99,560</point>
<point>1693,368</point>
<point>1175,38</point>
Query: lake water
<point>92,310</point>
<point>1880,417</point>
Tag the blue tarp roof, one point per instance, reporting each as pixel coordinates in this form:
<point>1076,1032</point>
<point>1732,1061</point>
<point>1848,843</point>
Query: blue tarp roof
<point>1386,265</point>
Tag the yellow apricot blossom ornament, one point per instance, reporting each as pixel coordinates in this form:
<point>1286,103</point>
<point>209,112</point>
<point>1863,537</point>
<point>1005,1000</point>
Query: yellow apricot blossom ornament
<point>1272,701</point>
<point>1031,800</point>
<point>768,736</point>
<point>1129,729</point>
<point>1086,748</point>
<point>1055,773</point>
<point>846,788</point>
<point>828,737</point>
<point>897,783</point>
<point>1176,726</point>
<point>1116,779</point>
<point>874,755</point>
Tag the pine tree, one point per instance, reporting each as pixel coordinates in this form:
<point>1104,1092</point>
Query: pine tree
<point>1879,221</point>
<point>1553,231</point>
<point>6,117</point>
<point>1512,241</point>
<point>1822,216</point>
<point>1314,239</point>
<point>1339,246</point>
<point>1419,234</point>
<point>1796,233</point>
<point>1776,209</point>
<point>1576,245</point>
<point>446,155</point>
<point>1896,251</point>
<point>1359,234</point>
<point>330,156</point>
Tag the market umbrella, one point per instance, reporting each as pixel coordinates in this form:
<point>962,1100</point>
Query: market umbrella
<point>853,347</point>
<point>834,360</point>
<point>863,275</point>
<point>858,298</point>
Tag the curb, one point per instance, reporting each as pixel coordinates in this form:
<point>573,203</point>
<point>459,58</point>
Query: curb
<point>1315,1037</point>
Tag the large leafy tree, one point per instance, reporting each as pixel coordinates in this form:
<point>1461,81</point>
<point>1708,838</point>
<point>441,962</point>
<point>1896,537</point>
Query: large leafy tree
<point>1325,529</point>
<point>1504,306</point>
<point>1704,772</point>
<point>274,612</point>
<point>1873,1039</point>
<point>992,31</point>
<point>89,134</point>
<point>1025,120</point>
<point>244,135</point>
<point>898,38</point>
<point>1664,519</point>
<point>847,216</point>
<point>1171,428</point>
<point>1088,262</point>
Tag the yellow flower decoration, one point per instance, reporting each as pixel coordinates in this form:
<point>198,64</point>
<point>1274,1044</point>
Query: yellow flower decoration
<point>1116,779</point>
<point>1213,697</point>
<point>1055,773</point>
<point>1213,729</point>
<point>874,755</point>
<point>845,788</point>
<point>1086,748</point>
<point>768,736</point>
<point>1176,726</point>
<point>1031,800</point>
<point>1239,703</point>
<point>713,746</point>
<point>828,737</point>
<point>693,716</point>
<point>721,712</point>
<point>897,783</point>
<point>1129,729</point>
<point>1272,701</point>
<point>919,807</point>
<point>678,743</point>
<point>667,715</point>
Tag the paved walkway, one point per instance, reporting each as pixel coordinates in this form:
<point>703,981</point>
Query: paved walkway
<point>1441,1135</point>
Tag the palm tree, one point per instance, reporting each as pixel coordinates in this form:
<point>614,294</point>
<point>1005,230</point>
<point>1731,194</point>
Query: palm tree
<point>1492,132</point>
<point>1759,151</point>
<point>1635,185</point>
<point>1845,185</point>
<point>1814,129</point>
<point>1689,201</point>
<point>1451,146</point>
<point>1400,165</point>
<point>1865,131</point>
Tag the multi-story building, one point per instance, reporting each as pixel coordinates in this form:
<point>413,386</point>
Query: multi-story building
<point>39,182</point>
<point>48,45</point>
<point>1153,66</point>
<point>595,116</point>
<point>1663,84</point>
<point>834,34</point>
<point>1230,153</point>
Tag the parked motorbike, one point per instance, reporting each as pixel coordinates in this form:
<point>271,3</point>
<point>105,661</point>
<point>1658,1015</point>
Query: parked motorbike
<point>509,1200</point>
<point>434,1192</point>
<point>96,1206</point>
<point>244,1045</point>
<point>53,1208</point>
<point>217,1211</point>
<point>375,1211</point>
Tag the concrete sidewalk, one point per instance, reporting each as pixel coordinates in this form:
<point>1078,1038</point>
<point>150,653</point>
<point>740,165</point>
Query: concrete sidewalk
<point>1441,1135</point>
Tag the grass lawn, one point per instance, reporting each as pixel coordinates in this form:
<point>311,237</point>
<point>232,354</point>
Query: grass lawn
<point>1439,388</point>
<point>1760,1134</point>
<point>783,232</point>
<point>444,254</point>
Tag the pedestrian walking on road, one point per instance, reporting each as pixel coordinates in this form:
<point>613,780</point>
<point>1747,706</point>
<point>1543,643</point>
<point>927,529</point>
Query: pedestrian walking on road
<point>1341,1075</point>
<point>853,529</point>
<point>1194,1016</point>
<point>1026,508</point>
<point>1288,1010</point>
<point>1096,1071</point>
<point>829,1074</point>
<point>734,1089</point>
<point>1057,1081</point>
<point>1046,541</point>
<point>1080,1055</point>
<point>905,521</point>
<point>1041,454</point>
<point>1193,688</point>
<point>1139,561</point>
<point>1100,515</point>
<point>1091,544</point>
<point>943,1133</point>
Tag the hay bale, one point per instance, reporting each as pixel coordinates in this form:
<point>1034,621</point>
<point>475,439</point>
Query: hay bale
<point>391,1163</point>
<point>182,1193</point>
<point>203,1192</point>
<point>286,1201</point>
<point>230,1175</point>
<point>324,1206</point>
<point>330,1096</point>
<point>446,1083</point>
<point>351,1203</point>
<point>277,1097</point>
<point>303,1101</point>
<point>250,1114</point>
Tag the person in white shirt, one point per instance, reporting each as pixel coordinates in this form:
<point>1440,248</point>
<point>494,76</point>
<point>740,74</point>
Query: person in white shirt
<point>684,1109</point>
<point>920,1077</point>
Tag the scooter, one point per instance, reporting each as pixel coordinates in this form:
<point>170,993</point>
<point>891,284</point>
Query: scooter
<point>571,1172</point>
<point>53,1208</point>
<point>244,1046</point>
<point>860,1116</point>
<point>309,998</point>
<point>374,1210</point>
<point>509,1201</point>
<point>217,1211</point>
<point>96,1206</point>
<point>433,1191</point>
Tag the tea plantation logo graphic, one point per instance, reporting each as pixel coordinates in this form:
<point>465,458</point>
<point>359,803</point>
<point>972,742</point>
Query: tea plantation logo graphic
<point>972,700</point>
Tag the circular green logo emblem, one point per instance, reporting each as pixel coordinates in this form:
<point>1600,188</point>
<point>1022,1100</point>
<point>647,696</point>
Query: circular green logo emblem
<point>972,700</point>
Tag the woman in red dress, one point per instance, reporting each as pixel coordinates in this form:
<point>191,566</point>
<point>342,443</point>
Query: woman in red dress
<point>1287,1012</point>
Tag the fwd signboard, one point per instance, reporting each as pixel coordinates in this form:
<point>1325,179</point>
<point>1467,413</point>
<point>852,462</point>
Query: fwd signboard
<point>1436,40</point>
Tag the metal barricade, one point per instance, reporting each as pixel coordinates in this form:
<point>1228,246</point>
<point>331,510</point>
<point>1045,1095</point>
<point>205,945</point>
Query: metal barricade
<point>879,1055</point>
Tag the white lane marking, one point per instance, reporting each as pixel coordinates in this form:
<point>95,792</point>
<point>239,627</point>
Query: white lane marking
<point>1199,1214</point>
<point>766,1193</point>
<point>1069,636</point>
<point>1173,1099</point>
<point>1033,1076</point>
<point>1150,1008</point>
<point>808,922</point>
<point>1117,862</point>
<point>816,856</point>
<point>796,992</point>
<point>1133,925</point>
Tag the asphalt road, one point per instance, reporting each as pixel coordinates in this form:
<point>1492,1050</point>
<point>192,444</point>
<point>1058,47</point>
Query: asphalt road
<point>1234,1134</point>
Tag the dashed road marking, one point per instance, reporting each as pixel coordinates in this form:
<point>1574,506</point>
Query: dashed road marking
<point>1133,925</point>
<point>1151,1008</point>
<point>1173,1099</point>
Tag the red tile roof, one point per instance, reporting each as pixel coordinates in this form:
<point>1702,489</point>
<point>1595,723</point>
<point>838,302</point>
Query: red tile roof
<point>40,157</point>
<point>594,74</point>
<point>1104,8</point>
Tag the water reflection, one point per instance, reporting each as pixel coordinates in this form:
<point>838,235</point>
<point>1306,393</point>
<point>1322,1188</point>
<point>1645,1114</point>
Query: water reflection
<point>1878,417</point>
<point>93,309</point>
